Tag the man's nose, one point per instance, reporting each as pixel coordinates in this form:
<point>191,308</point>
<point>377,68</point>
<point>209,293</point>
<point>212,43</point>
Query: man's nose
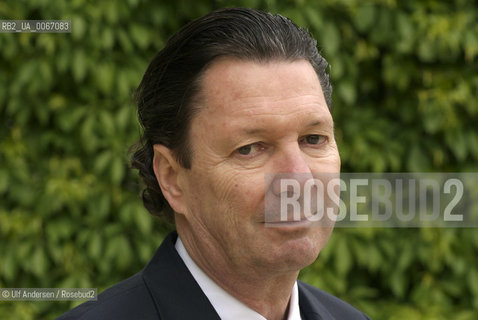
<point>290,163</point>
<point>291,159</point>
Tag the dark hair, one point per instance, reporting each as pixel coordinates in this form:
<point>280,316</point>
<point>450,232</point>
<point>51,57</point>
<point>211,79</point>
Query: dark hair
<point>172,81</point>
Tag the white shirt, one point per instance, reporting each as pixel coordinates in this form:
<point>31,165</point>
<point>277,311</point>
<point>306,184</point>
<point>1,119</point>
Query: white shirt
<point>227,306</point>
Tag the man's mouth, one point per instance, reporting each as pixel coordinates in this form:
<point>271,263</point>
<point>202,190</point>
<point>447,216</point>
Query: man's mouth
<point>302,223</point>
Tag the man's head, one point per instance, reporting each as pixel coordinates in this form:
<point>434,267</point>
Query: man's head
<point>254,119</point>
<point>172,91</point>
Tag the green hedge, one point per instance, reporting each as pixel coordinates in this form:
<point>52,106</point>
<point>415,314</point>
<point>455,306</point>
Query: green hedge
<point>405,99</point>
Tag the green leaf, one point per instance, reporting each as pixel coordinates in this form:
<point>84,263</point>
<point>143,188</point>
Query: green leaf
<point>366,17</point>
<point>457,142</point>
<point>117,170</point>
<point>347,92</point>
<point>38,262</point>
<point>95,245</point>
<point>417,160</point>
<point>343,259</point>
<point>79,66</point>
<point>140,35</point>
<point>330,38</point>
<point>4,180</point>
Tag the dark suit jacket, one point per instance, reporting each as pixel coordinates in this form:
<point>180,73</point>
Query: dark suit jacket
<point>165,289</point>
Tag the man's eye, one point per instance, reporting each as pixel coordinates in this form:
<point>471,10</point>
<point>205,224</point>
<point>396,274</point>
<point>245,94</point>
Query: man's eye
<point>249,149</point>
<point>245,150</point>
<point>315,139</point>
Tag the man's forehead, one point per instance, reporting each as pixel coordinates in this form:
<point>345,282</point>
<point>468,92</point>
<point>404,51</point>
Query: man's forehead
<point>253,86</point>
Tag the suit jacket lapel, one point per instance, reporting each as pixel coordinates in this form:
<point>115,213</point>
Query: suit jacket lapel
<point>311,308</point>
<point>175,292</point>
<point>178,296</point>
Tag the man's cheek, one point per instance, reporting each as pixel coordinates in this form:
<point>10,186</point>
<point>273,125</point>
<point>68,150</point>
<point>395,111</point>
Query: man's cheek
<point>328,164</point>
<point>226,184</point>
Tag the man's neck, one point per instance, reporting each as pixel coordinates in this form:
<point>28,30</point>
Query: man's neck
<point>264,291</point>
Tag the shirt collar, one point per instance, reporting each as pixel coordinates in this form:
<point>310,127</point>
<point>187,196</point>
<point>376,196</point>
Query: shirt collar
<point>227,306</point>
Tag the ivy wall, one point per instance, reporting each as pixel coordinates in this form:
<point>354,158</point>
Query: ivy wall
<point>405,77</point>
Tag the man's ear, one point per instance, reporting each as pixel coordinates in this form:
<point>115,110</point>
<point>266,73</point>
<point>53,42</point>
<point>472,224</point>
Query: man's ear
<point>166,169</point>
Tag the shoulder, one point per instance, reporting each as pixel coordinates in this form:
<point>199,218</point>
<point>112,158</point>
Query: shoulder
<point>316,301</point>
<point>128,299</point>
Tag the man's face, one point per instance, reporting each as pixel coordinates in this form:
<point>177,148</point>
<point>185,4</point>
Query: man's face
<point>255,119</point>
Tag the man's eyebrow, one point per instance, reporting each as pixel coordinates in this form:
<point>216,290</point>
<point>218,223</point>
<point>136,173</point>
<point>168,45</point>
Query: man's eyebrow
<point>318,123</point>
<point>315,123</point>
<point>251,131</point>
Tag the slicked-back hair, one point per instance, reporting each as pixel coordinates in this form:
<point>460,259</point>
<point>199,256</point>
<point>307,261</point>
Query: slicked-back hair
<point>171,84</point>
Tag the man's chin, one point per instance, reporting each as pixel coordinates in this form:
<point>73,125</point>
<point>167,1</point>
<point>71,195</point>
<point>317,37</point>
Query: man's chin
<point>297,253</point>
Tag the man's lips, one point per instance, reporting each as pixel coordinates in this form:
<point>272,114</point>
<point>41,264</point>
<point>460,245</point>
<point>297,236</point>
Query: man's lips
<point>290,217</point>
<point>289,223</point>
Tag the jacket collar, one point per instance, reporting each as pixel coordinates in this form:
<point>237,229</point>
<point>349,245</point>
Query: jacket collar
<point>177,295</point>
<point>175,292</point>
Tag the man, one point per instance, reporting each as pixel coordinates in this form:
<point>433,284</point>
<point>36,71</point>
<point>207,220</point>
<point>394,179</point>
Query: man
<point>233,97</point>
